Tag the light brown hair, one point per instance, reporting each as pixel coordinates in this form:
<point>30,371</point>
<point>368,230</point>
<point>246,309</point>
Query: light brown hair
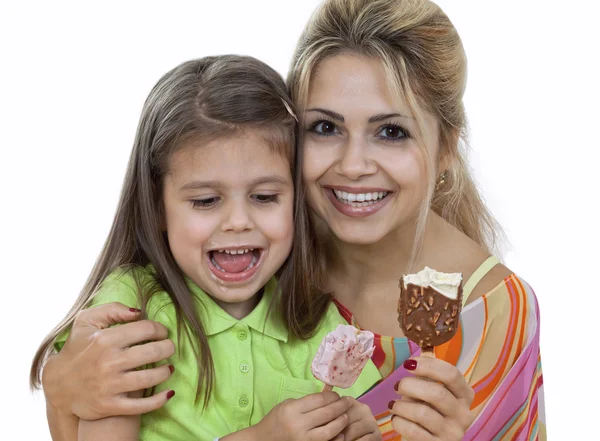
<point>201,99</point>
<point>425,63</point>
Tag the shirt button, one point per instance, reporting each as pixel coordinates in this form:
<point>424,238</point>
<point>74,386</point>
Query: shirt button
<point>244,368</point>
<point>243,401</point>
<point>242,335</point>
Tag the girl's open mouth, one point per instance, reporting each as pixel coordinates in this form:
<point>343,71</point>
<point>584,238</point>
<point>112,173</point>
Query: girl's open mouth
<point>235,264</point>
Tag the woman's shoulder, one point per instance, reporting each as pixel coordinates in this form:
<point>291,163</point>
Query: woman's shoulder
<point>482,272</point>
<point>493,280</point>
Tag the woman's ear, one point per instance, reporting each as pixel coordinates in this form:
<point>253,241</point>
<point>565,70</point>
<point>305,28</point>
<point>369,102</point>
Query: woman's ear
<point>448,150</point>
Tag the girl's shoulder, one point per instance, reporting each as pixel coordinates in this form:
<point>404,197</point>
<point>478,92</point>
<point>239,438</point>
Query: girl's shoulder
<point>128,285</point>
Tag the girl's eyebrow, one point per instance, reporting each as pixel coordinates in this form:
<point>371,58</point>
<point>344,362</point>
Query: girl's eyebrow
<point>270,179</point>
<point>198,185</point>
<point>375,118</point>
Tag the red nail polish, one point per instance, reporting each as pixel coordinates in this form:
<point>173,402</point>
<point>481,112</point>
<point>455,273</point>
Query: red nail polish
<point>396,386</point>
<point>172,368</point>
<point>410,365</point>
<point>135,310</point>
<point>170,394</point>
<point>391,404</point>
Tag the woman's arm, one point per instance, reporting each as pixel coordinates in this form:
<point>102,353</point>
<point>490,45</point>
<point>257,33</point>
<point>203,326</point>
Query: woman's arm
<point>63,426</point>
<point>88,377</point>
<point>121,428</point>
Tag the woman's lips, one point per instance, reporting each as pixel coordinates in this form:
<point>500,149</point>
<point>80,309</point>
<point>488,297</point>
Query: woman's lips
<point>358,209</point>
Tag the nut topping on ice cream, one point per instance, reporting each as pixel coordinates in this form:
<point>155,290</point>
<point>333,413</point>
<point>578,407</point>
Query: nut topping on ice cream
<point>429,307</point>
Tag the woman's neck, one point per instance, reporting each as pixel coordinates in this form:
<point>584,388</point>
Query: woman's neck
<point>360,269</point>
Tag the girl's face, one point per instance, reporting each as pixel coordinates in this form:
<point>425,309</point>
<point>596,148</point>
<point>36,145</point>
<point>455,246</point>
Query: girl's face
<point>363,170</point>
<point>229,216</point>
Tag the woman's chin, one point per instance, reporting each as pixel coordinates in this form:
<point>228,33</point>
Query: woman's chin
<point>352,235</point>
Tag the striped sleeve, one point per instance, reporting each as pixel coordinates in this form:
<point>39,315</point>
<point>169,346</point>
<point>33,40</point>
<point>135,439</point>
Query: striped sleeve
<point>497,349</point>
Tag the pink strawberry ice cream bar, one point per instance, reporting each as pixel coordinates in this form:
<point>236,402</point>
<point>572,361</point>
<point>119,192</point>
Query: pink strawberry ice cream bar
<point>342,356</point>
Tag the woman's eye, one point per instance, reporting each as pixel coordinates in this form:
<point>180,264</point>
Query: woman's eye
<point>205,203</point>
<point>324,127</point>
<point>392,132</point>
<point>266,198</point>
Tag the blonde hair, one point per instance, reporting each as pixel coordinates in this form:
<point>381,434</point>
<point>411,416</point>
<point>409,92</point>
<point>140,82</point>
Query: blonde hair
<point>425,63</point>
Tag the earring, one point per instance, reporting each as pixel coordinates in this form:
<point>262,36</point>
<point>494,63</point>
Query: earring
<point>441,180</point>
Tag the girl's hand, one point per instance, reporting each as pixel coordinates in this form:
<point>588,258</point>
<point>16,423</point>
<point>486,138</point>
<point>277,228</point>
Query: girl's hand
<point>428,410</point>
<point>316,417</point>
<point>362,425</point>
<point>90,376</point>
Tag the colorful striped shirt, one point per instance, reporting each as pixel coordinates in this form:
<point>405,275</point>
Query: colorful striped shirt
<point>496,348</point>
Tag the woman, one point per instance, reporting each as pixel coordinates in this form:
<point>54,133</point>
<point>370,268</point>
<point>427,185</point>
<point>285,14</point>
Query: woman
<point>379,86</point>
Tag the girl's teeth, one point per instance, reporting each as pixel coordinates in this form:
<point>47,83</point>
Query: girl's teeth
<point>237,251</point>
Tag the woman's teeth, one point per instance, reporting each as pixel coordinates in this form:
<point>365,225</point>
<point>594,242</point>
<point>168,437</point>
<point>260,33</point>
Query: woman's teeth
<point>359,199</point>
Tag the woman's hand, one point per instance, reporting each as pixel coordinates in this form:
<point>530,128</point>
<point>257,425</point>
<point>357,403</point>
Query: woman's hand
<point>316,417</point>
<point>90,376</point>
<point>362,425</point>
<point>435,404</point>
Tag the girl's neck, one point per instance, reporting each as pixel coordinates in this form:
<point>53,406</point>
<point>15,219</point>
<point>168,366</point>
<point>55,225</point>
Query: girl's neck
<point>239,310</point>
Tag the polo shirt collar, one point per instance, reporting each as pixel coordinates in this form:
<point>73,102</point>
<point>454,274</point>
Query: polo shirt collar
<point>216,320</point>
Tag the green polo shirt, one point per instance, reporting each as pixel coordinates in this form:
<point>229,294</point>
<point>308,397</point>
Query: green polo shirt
<point>257,365</point>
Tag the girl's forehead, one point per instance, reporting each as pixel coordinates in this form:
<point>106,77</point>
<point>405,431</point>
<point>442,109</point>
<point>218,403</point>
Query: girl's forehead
<point>246,156</point>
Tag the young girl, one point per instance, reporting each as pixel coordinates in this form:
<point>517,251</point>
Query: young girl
<point>205,221</point>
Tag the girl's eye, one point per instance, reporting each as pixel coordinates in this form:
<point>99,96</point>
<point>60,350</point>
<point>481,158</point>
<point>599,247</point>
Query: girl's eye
<point>392,132</point>
<point>205,203</point>
<point>266,198</point>
<point>323,128</point>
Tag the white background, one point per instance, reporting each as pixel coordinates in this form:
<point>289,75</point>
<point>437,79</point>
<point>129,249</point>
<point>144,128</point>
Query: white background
<point>73,77</point>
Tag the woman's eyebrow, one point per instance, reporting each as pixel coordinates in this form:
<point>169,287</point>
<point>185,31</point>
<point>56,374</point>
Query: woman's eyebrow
<point>329,113</point>
<point>383,116</point>
<point>375,118</point>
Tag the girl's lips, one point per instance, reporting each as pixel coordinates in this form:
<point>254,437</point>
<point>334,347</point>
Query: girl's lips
<point>236,277</point>
<point>351,211</point>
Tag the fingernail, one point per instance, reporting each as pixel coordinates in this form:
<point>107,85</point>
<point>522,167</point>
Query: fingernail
<point>410,365</point>
<point>391,404</point>
<point>135,310</point>
<point>170,394</point>
<point>172,368</point>
<point>396,386</point>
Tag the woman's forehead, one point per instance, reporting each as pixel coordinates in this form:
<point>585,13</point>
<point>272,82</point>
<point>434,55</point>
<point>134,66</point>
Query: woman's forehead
<point>354,82</point>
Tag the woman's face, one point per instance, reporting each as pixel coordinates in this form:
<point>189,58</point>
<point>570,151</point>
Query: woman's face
<point>364,172</point>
